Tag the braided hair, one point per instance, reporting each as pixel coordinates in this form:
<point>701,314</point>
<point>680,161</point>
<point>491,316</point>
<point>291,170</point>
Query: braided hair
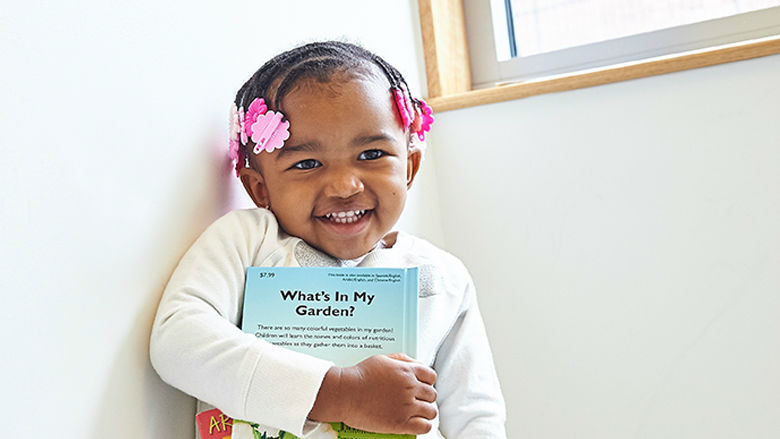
<point>318,61</point>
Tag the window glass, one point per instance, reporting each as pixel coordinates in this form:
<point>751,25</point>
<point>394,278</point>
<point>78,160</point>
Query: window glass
<point>547,25</point>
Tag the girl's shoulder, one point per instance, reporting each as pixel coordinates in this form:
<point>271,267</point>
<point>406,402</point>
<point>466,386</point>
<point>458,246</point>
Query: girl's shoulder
<point>246,218</point>
<point>246,225</point>
<point>252,233</point>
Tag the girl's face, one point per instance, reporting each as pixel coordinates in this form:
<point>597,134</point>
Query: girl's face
<point>340,180</point>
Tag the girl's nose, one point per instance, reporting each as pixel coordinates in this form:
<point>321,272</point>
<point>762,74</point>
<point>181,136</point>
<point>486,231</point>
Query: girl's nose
<point>343,183</point>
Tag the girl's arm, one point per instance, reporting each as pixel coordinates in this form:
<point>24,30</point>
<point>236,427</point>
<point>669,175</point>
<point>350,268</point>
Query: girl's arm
<point>470,399</point>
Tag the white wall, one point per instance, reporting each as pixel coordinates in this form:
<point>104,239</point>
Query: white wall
<point>625,243</point>
<point>111,144</point>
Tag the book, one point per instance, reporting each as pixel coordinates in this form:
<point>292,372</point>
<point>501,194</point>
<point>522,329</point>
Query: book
<point>340,314</point>
<point>213,424</point>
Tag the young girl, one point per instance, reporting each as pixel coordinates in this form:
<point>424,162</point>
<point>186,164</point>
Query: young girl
<point>327,141</point>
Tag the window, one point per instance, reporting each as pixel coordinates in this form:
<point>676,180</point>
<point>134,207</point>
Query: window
<point>468,63</point>
<point>535,38</point>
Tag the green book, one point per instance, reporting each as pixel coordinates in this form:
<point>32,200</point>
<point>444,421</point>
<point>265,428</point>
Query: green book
<point>344,315</point>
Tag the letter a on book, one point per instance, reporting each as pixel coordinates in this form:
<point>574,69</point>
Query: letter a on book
<point>213,424</point>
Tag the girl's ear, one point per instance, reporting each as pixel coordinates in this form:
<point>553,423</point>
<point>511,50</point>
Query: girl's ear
<point>255,186</point>
<point>413,159</point>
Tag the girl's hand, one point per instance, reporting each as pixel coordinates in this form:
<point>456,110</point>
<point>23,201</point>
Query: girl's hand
<point>381,394</point>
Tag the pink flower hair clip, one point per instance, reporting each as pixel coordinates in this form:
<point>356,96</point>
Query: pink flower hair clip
<point>415,114</point>
<point>267,129</point>
<point>423,119</point>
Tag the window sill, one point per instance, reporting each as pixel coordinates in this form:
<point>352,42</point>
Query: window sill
<point>448,74</point>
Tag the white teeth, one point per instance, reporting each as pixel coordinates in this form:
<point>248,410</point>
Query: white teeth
<point>347,217</point>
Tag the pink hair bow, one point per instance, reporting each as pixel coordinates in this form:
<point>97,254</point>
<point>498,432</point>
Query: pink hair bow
<point>266,129</point>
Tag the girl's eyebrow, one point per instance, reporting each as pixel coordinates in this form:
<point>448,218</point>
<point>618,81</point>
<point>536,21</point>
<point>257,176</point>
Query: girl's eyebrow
<point>371,138</point>
<point>303,147</point>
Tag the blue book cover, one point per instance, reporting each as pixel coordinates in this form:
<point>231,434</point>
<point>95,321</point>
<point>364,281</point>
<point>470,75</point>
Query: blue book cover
<point>340,314</point>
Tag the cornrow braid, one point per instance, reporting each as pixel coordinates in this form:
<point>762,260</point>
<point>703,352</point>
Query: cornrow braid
<point>395,77</point>
<point>318,61</point>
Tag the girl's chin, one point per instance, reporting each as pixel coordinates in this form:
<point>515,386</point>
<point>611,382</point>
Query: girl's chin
<point>349,255</point>
<point>345,250</point>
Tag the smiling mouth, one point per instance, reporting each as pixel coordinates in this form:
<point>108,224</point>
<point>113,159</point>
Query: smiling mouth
<point>346,217</point>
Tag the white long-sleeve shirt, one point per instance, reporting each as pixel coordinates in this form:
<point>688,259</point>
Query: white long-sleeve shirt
<point>197,346</point>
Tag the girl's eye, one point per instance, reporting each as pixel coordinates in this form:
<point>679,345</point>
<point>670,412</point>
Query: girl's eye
<point>307,164</point>
<point>371,154</point>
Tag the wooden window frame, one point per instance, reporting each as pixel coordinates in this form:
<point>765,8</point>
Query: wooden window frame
<point>448,71</point>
